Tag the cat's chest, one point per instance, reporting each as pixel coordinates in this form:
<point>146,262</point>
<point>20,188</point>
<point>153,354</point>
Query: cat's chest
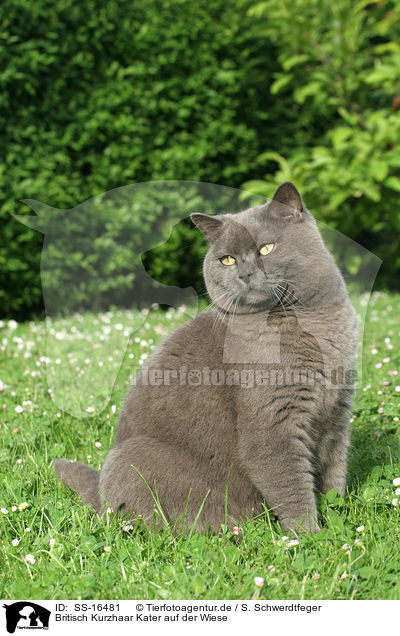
<point>266,340</point>
<point>313,340</point>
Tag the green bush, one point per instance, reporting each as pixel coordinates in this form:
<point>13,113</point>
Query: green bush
<point>97,95</point>
<point>95,255</point>
<point>340,65</point>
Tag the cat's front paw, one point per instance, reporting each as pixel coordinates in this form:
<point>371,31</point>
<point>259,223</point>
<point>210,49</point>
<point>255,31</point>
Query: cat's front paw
<point>309,525</point>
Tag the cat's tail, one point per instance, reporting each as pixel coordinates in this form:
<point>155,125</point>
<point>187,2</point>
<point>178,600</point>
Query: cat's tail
<point>82,479</point>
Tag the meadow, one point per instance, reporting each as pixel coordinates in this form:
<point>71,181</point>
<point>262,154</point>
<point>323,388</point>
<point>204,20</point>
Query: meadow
<point>52,547</point>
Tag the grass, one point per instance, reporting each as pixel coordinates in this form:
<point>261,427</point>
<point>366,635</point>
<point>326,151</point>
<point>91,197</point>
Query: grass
<point>77,555</point>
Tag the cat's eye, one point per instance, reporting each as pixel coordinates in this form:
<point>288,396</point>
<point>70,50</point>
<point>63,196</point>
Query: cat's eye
<point>228,260</point>
<point>266,249</point>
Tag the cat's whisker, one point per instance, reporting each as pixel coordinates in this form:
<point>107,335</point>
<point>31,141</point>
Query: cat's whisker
<point>230,305</point>
<point>214,302</point>
<point>221,315</point>
<point>287,290</point>
<point>218,309</point>
<point>290,291</point>
<point>226,311</point>
<point>292,285</point>
<point>279,300</point>
<point>287,302</point>
<point>235,307</point>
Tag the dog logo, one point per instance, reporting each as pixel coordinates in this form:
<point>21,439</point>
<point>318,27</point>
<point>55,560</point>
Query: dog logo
<point>26,615</point>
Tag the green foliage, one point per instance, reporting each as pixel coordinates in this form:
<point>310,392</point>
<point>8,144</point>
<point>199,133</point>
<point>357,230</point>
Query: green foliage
<point>97,95</point>
<point>340,64</point>
<point>179,259</point>
<point>92,254</point>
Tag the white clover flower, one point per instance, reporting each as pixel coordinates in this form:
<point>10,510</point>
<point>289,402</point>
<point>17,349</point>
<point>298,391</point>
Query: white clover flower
<point>15,542</point>
<point>125,525</point>
<point>360,529</point>
<point>52,542</point>
<point>4,511</point>
<point>30,559</point>
<point>396,482</point>
<point>292,543</point>
<point>19,409</point>
<point>259,581</point>
<point>395,502</point>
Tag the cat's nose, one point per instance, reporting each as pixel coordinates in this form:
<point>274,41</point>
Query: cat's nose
<point>245,271</point>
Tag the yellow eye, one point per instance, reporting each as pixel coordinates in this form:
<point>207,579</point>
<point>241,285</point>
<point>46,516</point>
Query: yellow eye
<point>267,249</point>
<point>228,260</point>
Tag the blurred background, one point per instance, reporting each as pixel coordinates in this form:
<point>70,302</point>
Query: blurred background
<point>245,94</point>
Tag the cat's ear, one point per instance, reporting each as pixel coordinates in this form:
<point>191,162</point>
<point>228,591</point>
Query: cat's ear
<point>211,226</point>
<point>287,204</point>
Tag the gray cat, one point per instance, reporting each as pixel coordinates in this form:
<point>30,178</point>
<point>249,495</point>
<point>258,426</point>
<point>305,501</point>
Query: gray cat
<point>249,402</point>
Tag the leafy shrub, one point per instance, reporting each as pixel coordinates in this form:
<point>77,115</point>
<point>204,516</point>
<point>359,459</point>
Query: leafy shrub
<point>340,65</point>
<point>95,255</point>
<point>97,95</point>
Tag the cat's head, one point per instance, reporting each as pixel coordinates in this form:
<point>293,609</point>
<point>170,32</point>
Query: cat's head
<point>265,255</point>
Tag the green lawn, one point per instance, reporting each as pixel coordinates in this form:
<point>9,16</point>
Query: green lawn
<point>73,554</point>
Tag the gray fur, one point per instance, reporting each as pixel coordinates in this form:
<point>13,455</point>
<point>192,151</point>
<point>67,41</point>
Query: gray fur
<point>279,443</point>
